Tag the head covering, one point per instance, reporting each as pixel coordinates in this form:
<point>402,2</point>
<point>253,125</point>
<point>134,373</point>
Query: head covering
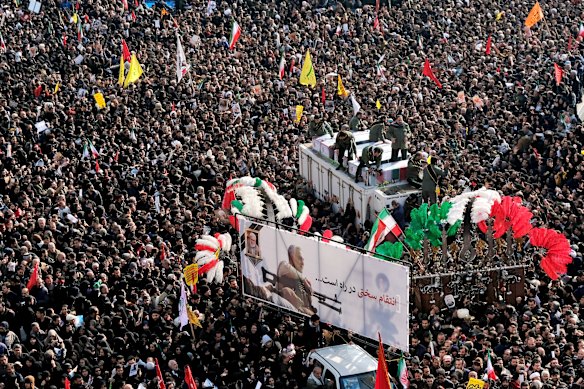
<point>265,340</point>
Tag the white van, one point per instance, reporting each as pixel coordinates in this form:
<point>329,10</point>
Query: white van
<point>348,366</point>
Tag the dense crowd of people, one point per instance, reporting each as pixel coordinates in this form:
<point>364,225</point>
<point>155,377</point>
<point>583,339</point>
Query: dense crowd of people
<point>111,229</point>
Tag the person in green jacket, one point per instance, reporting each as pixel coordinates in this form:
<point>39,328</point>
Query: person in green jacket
<point>355,122</point>
<point>377,133</point>
<point>415,168</point>
<point>370,155</point>
<point>399,133</point>
<point>431,179</point>
<point>319,127</point>
<point>345,142</point>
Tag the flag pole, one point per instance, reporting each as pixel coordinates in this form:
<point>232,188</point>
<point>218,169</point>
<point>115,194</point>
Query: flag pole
<point>182,279</point>
<point>548,27</point>
<point>398,239</point>
<point>192,330</point>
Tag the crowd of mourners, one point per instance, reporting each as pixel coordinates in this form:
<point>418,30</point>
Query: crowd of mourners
<point>112,229</point>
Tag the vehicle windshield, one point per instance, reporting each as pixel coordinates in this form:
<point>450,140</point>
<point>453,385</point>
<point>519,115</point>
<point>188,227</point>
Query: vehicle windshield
<point>359,381</point>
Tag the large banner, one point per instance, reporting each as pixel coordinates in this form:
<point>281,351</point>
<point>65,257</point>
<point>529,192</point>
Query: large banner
<point>348,289</point>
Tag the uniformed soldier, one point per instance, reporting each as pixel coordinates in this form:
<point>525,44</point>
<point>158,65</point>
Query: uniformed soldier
<point>399,133</point>
<point>377,133</point>
<point>345,142</point>
<point>370,155</point>
<point>319,127</point>
<point>355,122</point>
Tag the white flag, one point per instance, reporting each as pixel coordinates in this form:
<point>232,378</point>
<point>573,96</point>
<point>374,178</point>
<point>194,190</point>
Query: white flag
<point>355,104</point>
<point>183,315</point>
<point>182,67</point>
<point>211,6</point>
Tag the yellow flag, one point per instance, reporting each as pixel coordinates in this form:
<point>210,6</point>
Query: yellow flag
<point>74,18</point>
<point>308,77</point>
<point>122,69</point>
<point>134,73</point>
<point>56,88</point>
<point>299,109</point>
<point>535,15</point>
<point>341,91</point>
<point>99,99</point>
<point>582,152</point>
<point>378,104</point>
<point>474,383</point>
<point>499,15</point>
<point>191,274</point>
<point>193,318</point>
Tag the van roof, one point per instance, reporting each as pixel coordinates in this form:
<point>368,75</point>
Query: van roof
<point>347,359</point>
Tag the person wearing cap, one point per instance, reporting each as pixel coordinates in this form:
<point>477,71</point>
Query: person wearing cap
<point>370,155</point>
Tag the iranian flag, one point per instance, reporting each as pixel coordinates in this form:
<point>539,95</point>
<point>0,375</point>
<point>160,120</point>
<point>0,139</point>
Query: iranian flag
<point>384,224</point>
<point>235,33</point>
<point>402,373</point>
<point>2,44</point>
<point>94,151</point>
<point>490,370</point>
<point>282,65</point>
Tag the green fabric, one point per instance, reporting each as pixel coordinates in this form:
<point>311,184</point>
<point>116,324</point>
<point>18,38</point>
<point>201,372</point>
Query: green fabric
<point>453,229</point>
<point>428,223</point>
<point>388,249</point>
<point>258,182</point>
<point>237,204</point>
<point>299,209</point>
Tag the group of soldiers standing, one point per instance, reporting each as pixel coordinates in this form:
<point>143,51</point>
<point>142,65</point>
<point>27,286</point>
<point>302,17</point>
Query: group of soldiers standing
<point>422,171</point>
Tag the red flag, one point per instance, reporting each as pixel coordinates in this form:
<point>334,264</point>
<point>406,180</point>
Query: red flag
<point>125,3</point>
<point>117,156</point>
<point>173,108</point>
<point>97,166</point>
<point>162,252</point>
<point>382,376</point>
<point>86,18</point>
<point>489,43</point>
<point>159,376</point>
<point>189,380</point>
<point>126,51</point>
<point>67,383</point>
<point>323,96</point>
<point>133,16</point>
<point>34,277</point>
<point>430,74</point>
<point>77,6</point>
<point>38,90</point>
<point>234,222</point>
<point>376,23</point>
<point>559,73</point>
<point>136,3</point>
<point>292,65</point>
